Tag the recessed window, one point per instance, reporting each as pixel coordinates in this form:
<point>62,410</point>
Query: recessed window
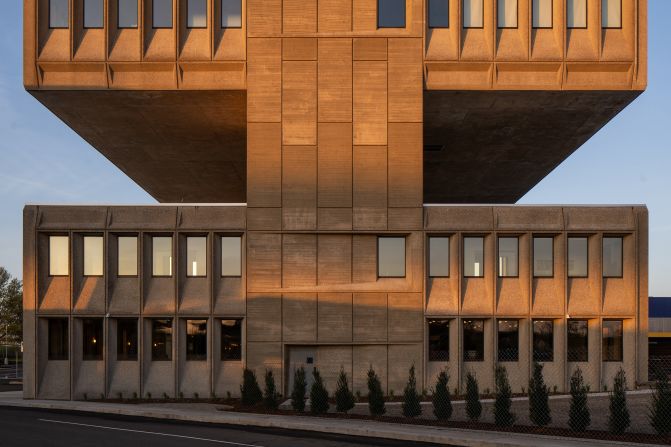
<point>196,256</point>
<point>93,13</point>
<point>92,342</point>
<point>59,14</point>
<point>391,257</point>
<point>126,339</point>
<point>612,257</point>
<point>508,337</point>
<point>439,340</point>
<point>162,13</point>
<point>93,255</point>
<point>439,13</point>
<point>612,341</point>
<point>127,256</point>
<point>231,13</point>
<point>127,10</point>
<point>611,13</point>
<point>59,255</point>
<point>543,340</point>
<point>391,13</point>
<point>161,255</point>
<point>576,13</point>
<point>474,340</point>
<point>473,11</point>
<point>508,256</point>
<point>231,256</point>
<point>231,339</point>
<point>439,256</point>
<point>196,14</point>
<point>196,340</point>
<point>577,341</point>
<point>58,338</point>
<point>543,257</point>
<point>577,257</point>
<point>474,254</point>
<point>161,340</point>
<point>542,13</point>
<point>507,13</point>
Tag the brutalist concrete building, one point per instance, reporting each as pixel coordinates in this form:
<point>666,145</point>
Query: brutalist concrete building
<point>336,182</point>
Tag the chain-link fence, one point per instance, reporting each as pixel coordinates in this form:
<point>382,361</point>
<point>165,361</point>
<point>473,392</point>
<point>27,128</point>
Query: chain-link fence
<point>11,362</point>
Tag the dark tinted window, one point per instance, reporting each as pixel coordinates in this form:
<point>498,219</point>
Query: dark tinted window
<point>474,340</point>
<point>161,340</point>
<point>543,340</point>
<point>508,340</point>
<point>391,13</point>
<point>92,329</point>
<point>58,338</point>
<point>612,341</point>
<point>439,340</point>
<point>196,339</point>
<point>439,13</point>
<point>126,339</point>
<point>231,339</point>
<point>577,338</point>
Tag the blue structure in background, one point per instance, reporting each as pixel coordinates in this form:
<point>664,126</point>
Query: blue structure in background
<point>659,334</point>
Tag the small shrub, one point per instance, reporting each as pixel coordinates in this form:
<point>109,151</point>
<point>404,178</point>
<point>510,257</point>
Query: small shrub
<point>148,395</point>
<point>228,395</point>
<point>578,415</point>
<point>391,394</point>
<point>134,395</point>
<point>319,396</point>
<point>539,406</point>
<point>196,396</point>
<point>442,405</point>
<point>343,395</point>
<point>119,395</point>
<point>165,396</point>
<point>473,405</point>
<point>503,417</point>
<point>181,395</point>
<point>250,392</point>
<point>411,403</point>
<point>618,418</point>
<point>659,411</point>
<point>271,398</point>
<point>86,396</point>
<point>375,396</point>
<point>299,391</point>
<point>213,395</point>
<point>102,396</point>
<point>358,395</point>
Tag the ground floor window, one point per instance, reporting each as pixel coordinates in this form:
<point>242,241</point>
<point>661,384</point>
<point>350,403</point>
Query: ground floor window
<point>231,339</point>
<point>439,340</point>
<point>126,339</point>
<point>508,332</point>
<point>196,340</point>
<point>58,339</point>
<point>474,340</point>
<point>543,340</point>
<point>577,341</point>
<point>161,340</point>
<point>612,341</point>
<point>92,329</point>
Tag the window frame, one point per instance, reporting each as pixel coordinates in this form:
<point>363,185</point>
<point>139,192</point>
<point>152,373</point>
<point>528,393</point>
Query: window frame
<point>568,346</point>
<point>533,255</point>
<point>100,356</point>
<point>172,339</point>
<point>221,15</point>
<point>49,16</point>
<point>153,16</point>
<point>221,253</point>
<point>405,17</point>
<point>428,12</point>
<point>586,17</point>
<point>102,19</point>
<point>481,355</point>
<point>463,254</point>
<point>499,358</point>
<point>405,256</point>
<point>552,16</point>
<point>429,356</point>
<point>498,256</point>
<point>69,269</point>
<point>104,257</point>
<point>207,16</point>
<point>449,257</point>
<point>172,256</point>
<point>137,254</point>
<point>188,272</point>
<point>463,16</point>
<point>193,357</point>
<point>605,351</point>
<point>603,264</point>
<point>127,358</point>
<point>577,236</point>
<point>611,27</point>
<point>66,355</point>
<point>118,16</point>
<point>517,18</point>
<point>534,358</point>
<point>222,357</point>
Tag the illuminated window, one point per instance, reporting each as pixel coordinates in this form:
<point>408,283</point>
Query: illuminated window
<point>93,255</point>
<point>507,13</point>
<point>473,13</point>
<point>391,257</point>
<point>162,13</point>
<point>439,13</point>
<point>474,340</point>
<point>92,329</point>
<point>196,256</point>
<point>576,13</point>
<point>577,341</point>
<point>127,256</point>
<point>611,13</point>
<point>508,256</point>
<point>391,13</point>
<point>161,256</point>
<point>439,256</point>
<point>127,10</point>
<point>543,341</point>
<point>543,257</point>
<point>542,13</point>
<point>196,340</point>
<point>231,339</point>
<point>126,339</point>
<point>231,13</point>
<point>577,257</point>
<point>474,254</point>
<point>58,339</point>
<point>59,14</point>
<point>196,14</point>
<point>59,255</point>
<point>93,14</point>
<point>612,257</point>
<point>508,333</point>
<point>161,340</point>
<point>231,256</point>
<point>612,341</point>
<point>439,340</point>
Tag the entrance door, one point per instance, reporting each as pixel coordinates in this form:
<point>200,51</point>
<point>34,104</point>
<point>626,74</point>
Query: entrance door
<point>305,357</point>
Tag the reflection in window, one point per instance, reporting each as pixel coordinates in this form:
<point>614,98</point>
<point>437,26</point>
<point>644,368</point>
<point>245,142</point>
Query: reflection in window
<point>612,257</point>
<point>611,13</point>
<point>92,329</point>
<point>508,256</point>
<point>439,340</point>
<point>231,339</point>
<point>577,340</point>
<point>59,14</point>
<point>161,340</point>
<point>474,340</point>
<point>126,339</point>
<point>127,13</point>
<point>93,255</point>
<point>577,257</point>
<point>127,256</point>
<point>439,13</point>
<point>93,13</point>
<point>542,13</point>
<point>231,256</point>
<point>576,13</point>
<point>543,257</point>
<point>474,254</point>
<point>508,340</point>
<point>161,255</point>
<point>612,341</point>
<point>58,338</point>
<point>507,13</point>
<point>196,256</point>
<point>439,256</point>
<point>162,14</point>
<point>196,14</point>
<point>196,339</point>
<point>391,257</point>
<point>231,13</point>
<point>543,340</point>
<point>473,13</point>
<point>391,13</point>
<point>59,255</point>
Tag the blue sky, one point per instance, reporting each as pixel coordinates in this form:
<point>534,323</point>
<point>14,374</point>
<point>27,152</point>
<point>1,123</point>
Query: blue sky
<point>627,162</point>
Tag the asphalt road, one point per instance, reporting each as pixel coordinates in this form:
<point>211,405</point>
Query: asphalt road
<point>27,427</point>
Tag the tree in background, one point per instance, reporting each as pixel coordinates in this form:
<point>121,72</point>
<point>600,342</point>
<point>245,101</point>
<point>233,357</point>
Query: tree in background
<point>343,395</point>
<point>473,405</point>
<point>11,308</point>
<point>250,393</point>
<point>539,406</point>
<point>578,416</point>
<point>618,419</point>
<point>271,398</point>
<point>411,404</point>
<point>442,405</point>
<point>659,411</point>
<point>319,396</point>
<point>375,395</point>
<point>503,401</point>
<point>299,392</point>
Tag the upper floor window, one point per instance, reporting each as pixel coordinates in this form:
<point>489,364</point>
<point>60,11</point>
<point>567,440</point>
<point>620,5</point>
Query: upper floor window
<point>161,255</point>
<point>92,340</point>
<point>507,13</point>
<point>196,256</point>
<point>439,340</point>
<point>439,13</point>
<point>543,257</point>
<point>59,14</point>
<point>542,13</point>
<point>127,13</point>
<point>161,13</point>
<point>231,339</point>
<point>231,256</point>
<point>391,257</point>
<point>196,14</point>
<point>93,13</point>
<point>196,340</point>
<point>231,13</point>
<point>126,339</point>
<point>473,11</point>
<point>577,340</point>
<point>58,339</point>
<point>508,338</point>
<point>474,254</point>
<point>93,255</point>
<point>161,340</point>
<point>612,341</point>
<point>474,340</point>
<point>611,13</point>
<point>612,257</point>
<point>59,255</point>
<point>127,256</point>
<point>508,256</point>
<point>543,340</point>
<point>576,13</point>
<point>577,257</point>
<point>391,13</point>
<point>439,256</point>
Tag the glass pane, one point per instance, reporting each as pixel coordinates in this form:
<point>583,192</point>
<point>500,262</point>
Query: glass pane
<point>93,13</point>
<point>611,13</point>
<point>577,339</point>
<point>473,13</point>
<point>59,256</point>
<point>439,340</point>
<point>58,339</point>
<point>231,13</point>
<point>577,257</point>
<point>508,340</point>
<point>391,257</point>
<point>92,339</point>
<point>542,13</point>
<point>576,13</point>
<point>231,256</point>
<point>543,341</point>
<point>127,13</point>
<point>439,256</point>
<point>439,13</point>
<point>391,13</point>
<point>162,256</point>
<point>58,14</point>
<point>161,340</point>
<point>474,256</point>
<point>474,340</point>
<point>196,15</point>
<point>543,256</point>
<point>126,339</point>
<point>127,262</point>
<point>612,257</point>
<point>612,341</point>
<point>507,13</point>
<point>231,339</point>
<point>93,256</point>
<point>162,14</point>
<point>196,256</point>
<point>196,339</point>
<point>508,256</point>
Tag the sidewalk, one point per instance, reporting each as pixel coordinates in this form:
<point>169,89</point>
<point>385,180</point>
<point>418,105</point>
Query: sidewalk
<point>209,413</point>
